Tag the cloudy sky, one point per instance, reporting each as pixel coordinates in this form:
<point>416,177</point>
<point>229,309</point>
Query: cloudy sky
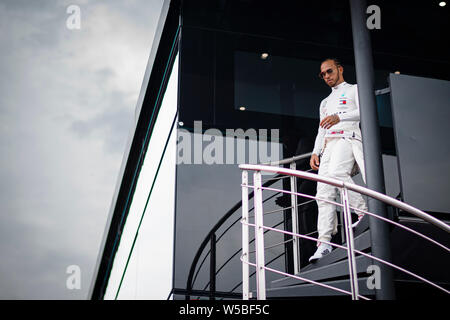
<point>67,101</point>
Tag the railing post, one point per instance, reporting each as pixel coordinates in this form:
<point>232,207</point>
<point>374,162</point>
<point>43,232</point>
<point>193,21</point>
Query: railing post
<point>259,238</point>
<point>245,243</point>
<point>350,244</point>
<point>294,214</point>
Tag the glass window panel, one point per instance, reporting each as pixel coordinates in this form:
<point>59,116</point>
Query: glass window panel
<point>155,149</point>
<point>149,273</point>
<point>205,192</point>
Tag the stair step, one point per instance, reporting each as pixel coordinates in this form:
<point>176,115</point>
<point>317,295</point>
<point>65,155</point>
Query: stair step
<point>312,290</point>
<point>337,269</point>
<point>361,242</point>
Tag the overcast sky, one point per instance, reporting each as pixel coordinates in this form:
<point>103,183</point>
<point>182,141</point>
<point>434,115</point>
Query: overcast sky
<point>67,101</point>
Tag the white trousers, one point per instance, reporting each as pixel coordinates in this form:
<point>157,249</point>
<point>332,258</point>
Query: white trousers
<point>337,162</point>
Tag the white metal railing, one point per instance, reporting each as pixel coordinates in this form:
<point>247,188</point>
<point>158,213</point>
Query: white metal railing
<point>344,187</point>
<point>294,206</point>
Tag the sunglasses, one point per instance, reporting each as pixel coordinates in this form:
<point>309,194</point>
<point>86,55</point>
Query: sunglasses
<point>322,74</point>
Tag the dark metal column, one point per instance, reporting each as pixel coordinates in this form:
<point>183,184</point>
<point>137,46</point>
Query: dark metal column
<point>379,230</point>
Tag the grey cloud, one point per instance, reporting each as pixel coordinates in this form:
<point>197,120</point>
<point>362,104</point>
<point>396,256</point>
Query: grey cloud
<point>114,125</point>
<point>64,122</point>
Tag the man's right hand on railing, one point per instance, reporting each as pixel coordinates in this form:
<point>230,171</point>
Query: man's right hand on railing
<point>314,162</point>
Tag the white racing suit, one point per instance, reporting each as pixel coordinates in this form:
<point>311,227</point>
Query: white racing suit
<point>341,150</point>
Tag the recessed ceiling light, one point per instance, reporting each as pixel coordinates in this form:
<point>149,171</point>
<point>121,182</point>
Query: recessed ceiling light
<point>242,108</point>
<point>181,123</point>
<point>264,55</point>
<point>442,3</point>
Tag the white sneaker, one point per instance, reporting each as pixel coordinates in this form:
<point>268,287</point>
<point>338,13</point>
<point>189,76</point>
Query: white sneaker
<point>321,251</point>
<point>356,223</point>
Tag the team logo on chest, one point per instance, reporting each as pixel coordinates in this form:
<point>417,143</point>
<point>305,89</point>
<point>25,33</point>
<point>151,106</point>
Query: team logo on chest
<point>343,100</point>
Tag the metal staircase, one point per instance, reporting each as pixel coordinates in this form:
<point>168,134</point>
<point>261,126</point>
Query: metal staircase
<point>331,270</point>
<point>333,275</point>
<point>329,273</point>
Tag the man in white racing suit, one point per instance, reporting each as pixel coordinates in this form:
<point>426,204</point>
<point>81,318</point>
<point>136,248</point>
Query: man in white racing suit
<point>338,144</point>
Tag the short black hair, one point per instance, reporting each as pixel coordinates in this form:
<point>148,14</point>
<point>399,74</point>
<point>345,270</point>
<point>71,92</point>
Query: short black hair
<point>335,60</point>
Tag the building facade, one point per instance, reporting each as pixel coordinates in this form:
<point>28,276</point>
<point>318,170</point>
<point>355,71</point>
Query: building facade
<point>232,82</point>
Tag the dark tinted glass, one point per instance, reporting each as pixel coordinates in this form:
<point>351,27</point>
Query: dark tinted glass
<point>242,66</point>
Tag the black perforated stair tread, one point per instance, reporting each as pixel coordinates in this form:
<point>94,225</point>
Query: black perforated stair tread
<point>335,270</point>
<point>313,290</point>
<point>361,241</point>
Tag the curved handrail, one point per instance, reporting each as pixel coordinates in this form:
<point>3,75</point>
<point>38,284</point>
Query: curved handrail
<point>353,187</point>
<point>288,160</point>
<point>357,251</point>
<point>345,186</point>
<point>211,232</point>
<point>235,287</point>
<point>217,240</point>
<point>230,212</point>
<point>240,249</point>
<point>359,210</point>
<point>235,254</point>
<point>307,280</point>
